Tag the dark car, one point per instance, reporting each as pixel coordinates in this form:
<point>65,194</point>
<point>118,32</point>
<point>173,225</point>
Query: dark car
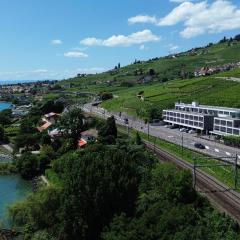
<point>199,145</point>
<point>126,121</point>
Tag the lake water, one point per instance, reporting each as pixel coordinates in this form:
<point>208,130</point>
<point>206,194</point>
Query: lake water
<point>12,189</point>
<point>5,105</point>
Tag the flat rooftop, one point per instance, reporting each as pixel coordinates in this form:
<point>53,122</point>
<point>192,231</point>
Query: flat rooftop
<point>207,106</point>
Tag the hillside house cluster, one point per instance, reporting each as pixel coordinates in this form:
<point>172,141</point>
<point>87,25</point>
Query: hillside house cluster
<point>206,71</point>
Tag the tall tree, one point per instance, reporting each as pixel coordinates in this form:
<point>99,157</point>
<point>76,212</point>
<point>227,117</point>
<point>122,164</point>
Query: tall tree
<point>72,123</point>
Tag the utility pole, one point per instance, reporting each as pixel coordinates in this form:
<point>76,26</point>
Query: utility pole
<point>154,149</point>
<point>182,145</point>
<point>194,173</point>
<point>148,129</point>
<point>235,172</point>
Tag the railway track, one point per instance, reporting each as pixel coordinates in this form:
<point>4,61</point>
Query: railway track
<point>224,198</point>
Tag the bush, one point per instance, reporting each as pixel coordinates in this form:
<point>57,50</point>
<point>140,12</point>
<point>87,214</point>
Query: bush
<point>106,96</point>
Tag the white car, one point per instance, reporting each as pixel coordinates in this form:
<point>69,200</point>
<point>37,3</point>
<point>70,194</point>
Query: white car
<point>192,131</point>
<point>167,126</point>
<point>183,130</point>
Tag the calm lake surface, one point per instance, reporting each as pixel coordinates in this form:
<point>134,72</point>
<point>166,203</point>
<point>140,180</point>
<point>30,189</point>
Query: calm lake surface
<point>12,189</point>
<point>4,105</point>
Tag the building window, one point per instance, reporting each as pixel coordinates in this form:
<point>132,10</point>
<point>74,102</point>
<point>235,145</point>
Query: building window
<point>217,121</point>
<point>229,130</point>
<point>229,124</point>
<point>223,122</point>
<point>223,129</point>
<point>235,131</point>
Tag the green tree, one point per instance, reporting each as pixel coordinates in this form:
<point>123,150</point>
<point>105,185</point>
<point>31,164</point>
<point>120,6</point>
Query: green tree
<point>2,133</point>
<point>72,123</point>
<point>97,184</point>
<point>27,165</point>
<point>108,132</point>
<point>138,139</point>
<point>5,117</point>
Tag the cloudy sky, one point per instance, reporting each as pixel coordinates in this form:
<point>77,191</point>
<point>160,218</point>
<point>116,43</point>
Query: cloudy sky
<point>56,39</point>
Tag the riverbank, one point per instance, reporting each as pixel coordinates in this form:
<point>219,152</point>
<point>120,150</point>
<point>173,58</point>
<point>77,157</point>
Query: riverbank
<point>12,189</point>
<point>7,169</point>
<point>5,105</point>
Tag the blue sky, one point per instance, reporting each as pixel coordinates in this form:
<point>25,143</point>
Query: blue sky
<point>55,39</point>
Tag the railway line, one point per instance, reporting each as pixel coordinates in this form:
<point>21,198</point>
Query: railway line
<point>227,200</point>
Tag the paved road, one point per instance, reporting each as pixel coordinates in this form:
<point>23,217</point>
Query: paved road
<point>172,135</point>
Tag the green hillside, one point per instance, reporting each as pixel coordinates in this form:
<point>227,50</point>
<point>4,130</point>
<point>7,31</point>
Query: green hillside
<point>206,90</point>
<point>167,85</point>
<point>166,68</point>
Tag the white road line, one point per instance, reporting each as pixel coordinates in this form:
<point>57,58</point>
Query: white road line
<point>239,156</point>
<point>216,150</point>
<point>229,154</point>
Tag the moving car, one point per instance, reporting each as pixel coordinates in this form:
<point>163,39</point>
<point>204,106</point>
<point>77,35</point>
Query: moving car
<point>199,145</point>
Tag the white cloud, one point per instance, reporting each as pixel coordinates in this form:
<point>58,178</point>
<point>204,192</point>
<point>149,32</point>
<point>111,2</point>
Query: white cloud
<point>143,47</point>
<point>173,47</point>
<point>56,42</point>
<point>122,40</point>
<point>201,18</point>
<point>92,70</point>
<point>180,1</point>
<point>75,54</point>
<point>198,18</point>
<point>40,71</point>
<point>91,42</point>
<point>142,19</point>
<point>181,13</point>
<point>44,74</point>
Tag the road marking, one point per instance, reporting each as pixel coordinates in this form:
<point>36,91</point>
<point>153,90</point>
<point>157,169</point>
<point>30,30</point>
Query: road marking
<point>170,136</point>
<point>207,147</point>
<point>216,150</point>
<point>229,154</point>
<point>239,156</point>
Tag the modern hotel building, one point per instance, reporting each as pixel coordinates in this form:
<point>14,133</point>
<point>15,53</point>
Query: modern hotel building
<point>216,120</point>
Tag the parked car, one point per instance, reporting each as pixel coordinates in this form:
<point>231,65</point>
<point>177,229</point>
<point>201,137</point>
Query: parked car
<point>199,145</point>
<point>173,126</point>
<point>167,126</point>
<point>192,131</point>
<point>183,130</point>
